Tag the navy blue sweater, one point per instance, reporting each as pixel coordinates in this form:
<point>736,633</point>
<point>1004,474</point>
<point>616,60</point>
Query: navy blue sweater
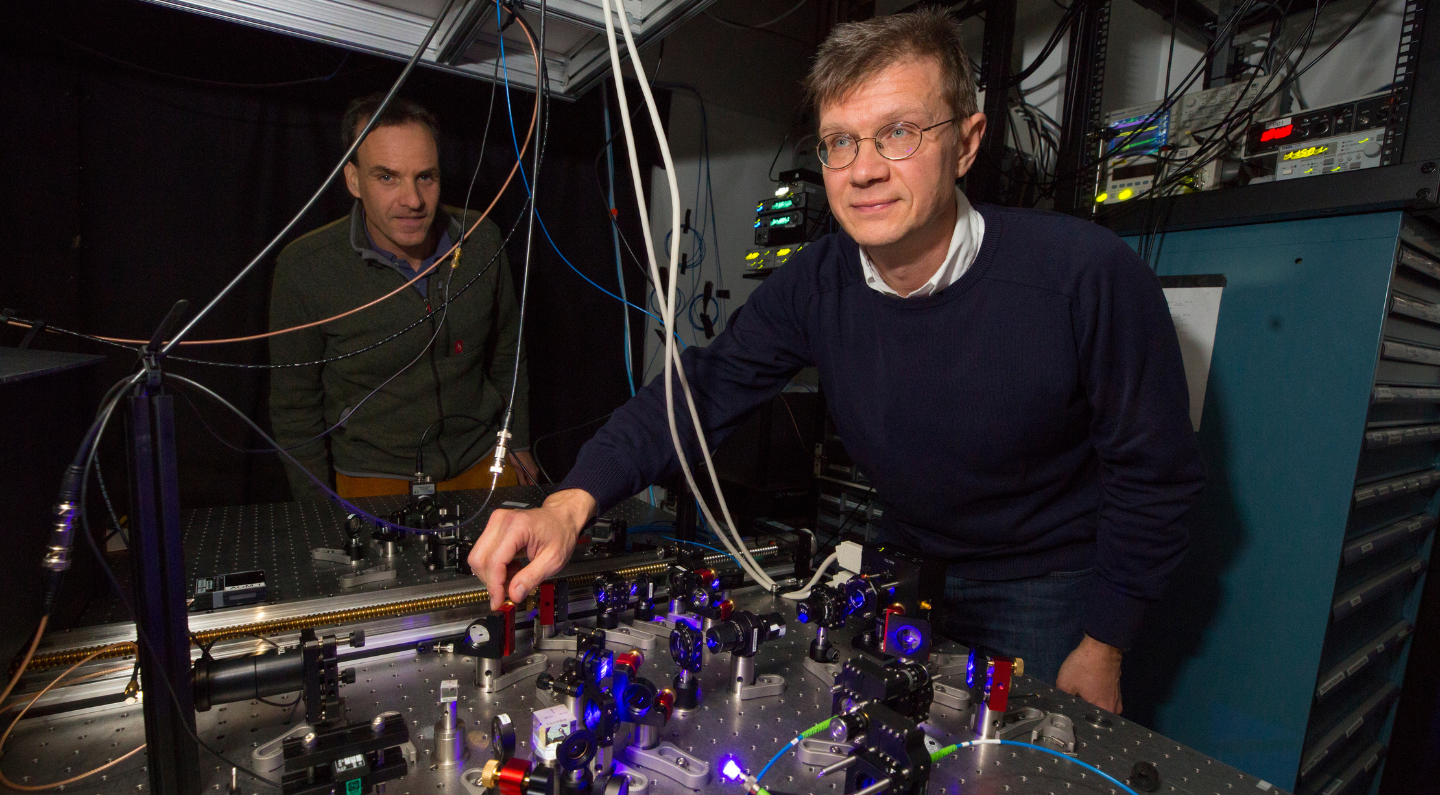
<point>1031,417</point>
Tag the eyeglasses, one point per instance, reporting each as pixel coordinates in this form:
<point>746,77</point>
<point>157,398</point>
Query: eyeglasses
<point>894,142</point>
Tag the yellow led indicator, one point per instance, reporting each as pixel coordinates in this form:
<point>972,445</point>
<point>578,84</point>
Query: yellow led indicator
<point>752,255</point>
<point>1101,198</point>
<point>1125,194</point>
<point>783,252</point>
<point>1309,151</point>
<point>1362,140</point>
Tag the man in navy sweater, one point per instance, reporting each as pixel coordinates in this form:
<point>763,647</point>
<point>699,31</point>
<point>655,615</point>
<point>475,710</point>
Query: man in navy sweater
<point>1009,380</point>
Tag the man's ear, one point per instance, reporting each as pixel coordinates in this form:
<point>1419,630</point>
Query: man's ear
<point>352,179</point>
<point>971,133</point>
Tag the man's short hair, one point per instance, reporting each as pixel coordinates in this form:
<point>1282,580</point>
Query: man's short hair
<point>399,111</point>
<point>856,51</point>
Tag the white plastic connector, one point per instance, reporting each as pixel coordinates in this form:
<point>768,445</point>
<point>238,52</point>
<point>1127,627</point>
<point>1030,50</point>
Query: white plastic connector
<point>848,555</point>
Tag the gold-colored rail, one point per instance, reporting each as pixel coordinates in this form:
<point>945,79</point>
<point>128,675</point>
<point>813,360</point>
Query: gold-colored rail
<point>277,626</point>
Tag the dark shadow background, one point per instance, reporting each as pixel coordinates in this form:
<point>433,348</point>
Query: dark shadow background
<point>150,153</point>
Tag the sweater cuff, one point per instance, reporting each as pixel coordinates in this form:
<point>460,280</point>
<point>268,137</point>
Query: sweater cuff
<point>1112,617</point>
<point>609,484</point>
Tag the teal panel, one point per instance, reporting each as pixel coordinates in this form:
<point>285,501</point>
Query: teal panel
<point>1229,659</point>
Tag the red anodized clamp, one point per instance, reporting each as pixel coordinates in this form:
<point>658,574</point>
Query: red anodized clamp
<point>665,700</point>
<point>507,609</point>
<point>725,608</point>
<point>546,615</point>
<point>512,776</point>
<point>633,659</point>
<point>997,684</point>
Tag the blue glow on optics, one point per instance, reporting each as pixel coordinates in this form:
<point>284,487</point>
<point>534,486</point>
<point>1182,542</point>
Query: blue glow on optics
<point>634,588</point>
<point>908,639</point>
<point>592,716</point>
<point>970,671</point>
<point>712,642</point>
<point>731,769</point>
<point>638,701</point>
<point>603,671</point>
<point>802,613</point>
<point>715,583</point>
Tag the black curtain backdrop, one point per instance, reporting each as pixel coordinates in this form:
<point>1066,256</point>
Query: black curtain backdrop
<point>150,153</point>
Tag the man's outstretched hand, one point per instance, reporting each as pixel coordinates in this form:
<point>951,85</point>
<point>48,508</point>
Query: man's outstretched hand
<point>1092,672</point>
<point>546,535</point>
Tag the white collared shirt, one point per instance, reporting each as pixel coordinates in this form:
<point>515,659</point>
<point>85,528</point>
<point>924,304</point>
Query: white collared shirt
<point>964,247</point>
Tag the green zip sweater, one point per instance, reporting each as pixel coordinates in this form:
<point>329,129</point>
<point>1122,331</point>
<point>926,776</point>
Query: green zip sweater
<point>466,372</point>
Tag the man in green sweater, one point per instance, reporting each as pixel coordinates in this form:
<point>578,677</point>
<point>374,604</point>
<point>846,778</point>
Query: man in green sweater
<point>432,398</point>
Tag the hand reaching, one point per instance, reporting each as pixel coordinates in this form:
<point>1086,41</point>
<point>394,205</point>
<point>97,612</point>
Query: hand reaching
<point>546,535</point>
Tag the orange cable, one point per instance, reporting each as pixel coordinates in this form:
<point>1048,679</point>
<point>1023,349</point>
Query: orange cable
<point>25,661</point>
<point>3,737</point>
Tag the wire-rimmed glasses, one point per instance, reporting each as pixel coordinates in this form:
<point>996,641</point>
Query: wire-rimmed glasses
<point>894,142</point>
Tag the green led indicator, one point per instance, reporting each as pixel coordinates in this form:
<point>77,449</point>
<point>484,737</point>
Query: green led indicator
<point>781,221</point>
<point>784,205</point>
<point>354,787</point>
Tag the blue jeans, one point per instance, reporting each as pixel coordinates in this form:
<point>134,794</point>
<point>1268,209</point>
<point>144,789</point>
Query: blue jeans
<point>1037,618</point>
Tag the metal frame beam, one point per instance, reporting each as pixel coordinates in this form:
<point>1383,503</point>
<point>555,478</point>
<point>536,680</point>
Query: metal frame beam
<point>996,66</point>
<point>1080,116</point>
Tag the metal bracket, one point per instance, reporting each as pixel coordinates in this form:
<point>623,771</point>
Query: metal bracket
<point>669,761</point>
<point>382,573</point>
<point>626,635</point>
<point>1050,729</point>
<point>941,664</point>
<point>821,753</point>
<point>746,685</point>
<point>324,555</point>
<point>669,619</point>
<point>825,672</point>
<point>639,782</point>
<point>470,780</point>
<point>556,643</point>
<point>491,676</point>
<point>957,698</point>
<point>270,756</point>
<point>765,685</point>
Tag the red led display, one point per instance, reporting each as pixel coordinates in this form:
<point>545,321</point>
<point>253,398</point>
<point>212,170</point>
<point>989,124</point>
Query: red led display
<point>1277,133</point>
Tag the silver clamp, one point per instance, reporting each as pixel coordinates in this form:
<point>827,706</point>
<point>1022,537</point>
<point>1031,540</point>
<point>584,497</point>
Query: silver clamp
<point>354,579</point>
<point>492,676</point>
<point>666,759</point>
<point>746,685</point>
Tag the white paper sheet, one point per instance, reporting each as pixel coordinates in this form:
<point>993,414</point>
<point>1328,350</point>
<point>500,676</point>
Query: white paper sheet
<point>1195,309</point>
